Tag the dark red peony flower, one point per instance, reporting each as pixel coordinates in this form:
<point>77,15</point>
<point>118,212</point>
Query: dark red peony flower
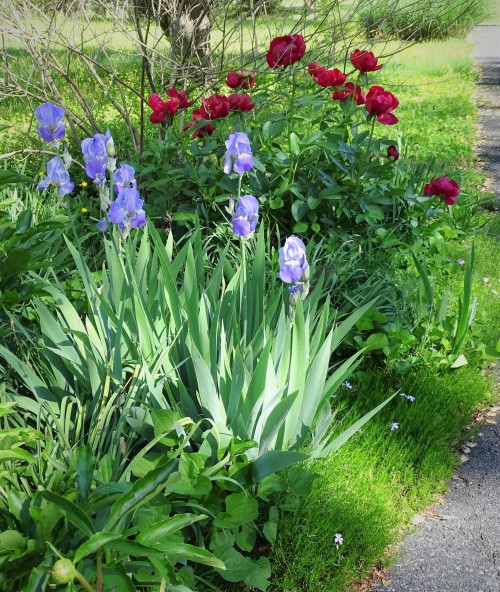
<point>240,103</point>
<point>286,50</point>
<point>177,100</point>
<point>445,188</point>
<point>243,79</point>
<point>350,91</point>
<point>180,97</point>
<point>381,102</point>
<point>314,69</point>
<point>328,78</point>
<point>392,153</point>
<point>364,61</point>
<point>206,130</point>
<point>214,107</point>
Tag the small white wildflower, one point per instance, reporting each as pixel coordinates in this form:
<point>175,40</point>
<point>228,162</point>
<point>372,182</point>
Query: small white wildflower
<point>486,280</point>
<point>394,426</point>
<point>339,539</point>
<point>461,261</point>
<point>348,385</point>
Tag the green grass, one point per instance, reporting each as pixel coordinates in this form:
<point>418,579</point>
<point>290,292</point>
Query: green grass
<point>371,489</point>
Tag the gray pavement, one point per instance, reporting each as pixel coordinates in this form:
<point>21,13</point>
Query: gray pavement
<point>457,548</point>
<point>486,53</point>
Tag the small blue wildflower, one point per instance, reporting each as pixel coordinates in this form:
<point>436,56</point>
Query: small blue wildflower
<point>394,426</point>
<point>461,261</point>
<point>339,539</point>
<point>348,385</point>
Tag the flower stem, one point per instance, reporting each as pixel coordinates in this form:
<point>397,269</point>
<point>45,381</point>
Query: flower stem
<point>84,582</point>
<point>366,157</point>
<point>240,179</point>
<point>291,113</point>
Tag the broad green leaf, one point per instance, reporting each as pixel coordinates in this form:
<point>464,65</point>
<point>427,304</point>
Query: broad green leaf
<point>16,454</point>
<point>11,178</point>
<point>84,470</point>
<point>72,512</point>
<point>273,461</point>
<point>197,554</point>
<point>158,530</point>
<point>142,491</point>
<point>240,509</point>
<point>95,542</point>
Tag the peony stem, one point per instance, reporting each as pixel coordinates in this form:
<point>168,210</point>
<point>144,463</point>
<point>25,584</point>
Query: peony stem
<point>84,582</point>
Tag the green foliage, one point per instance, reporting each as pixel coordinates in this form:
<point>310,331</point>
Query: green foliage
<point>26,246</point>
<point>183,387</point>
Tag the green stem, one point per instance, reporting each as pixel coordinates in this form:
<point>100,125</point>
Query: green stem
<point>84,582</point>
<point>240,179</point>
<point>291,113</point>
<point>244,288</point>
<point>366,158</point>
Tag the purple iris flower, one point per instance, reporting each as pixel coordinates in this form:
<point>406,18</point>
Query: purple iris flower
<point>238,148</point>
<point>246,216</point>
<point>124,178</point>
<point>292,261</point>
<point>58,176</point>
<point>94,147</point>
<point>96,169</point>
<point>50,117</point>
<point>126,210</point>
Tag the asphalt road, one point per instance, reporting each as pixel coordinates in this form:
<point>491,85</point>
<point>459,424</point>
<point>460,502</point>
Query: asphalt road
<point>457,548</point>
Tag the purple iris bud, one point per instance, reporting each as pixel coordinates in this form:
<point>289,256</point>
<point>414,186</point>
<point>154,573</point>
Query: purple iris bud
<point>124,178</point>
<point>50,117</point>
<point>292,261</point>
<point>94,147</point>
<point>239,150</point>
<point>102,225</point>
<point>96,169</point>
<point>295,294</point>
<point>246,216</point>
<point>58,176</point>
<point>126,210</point>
